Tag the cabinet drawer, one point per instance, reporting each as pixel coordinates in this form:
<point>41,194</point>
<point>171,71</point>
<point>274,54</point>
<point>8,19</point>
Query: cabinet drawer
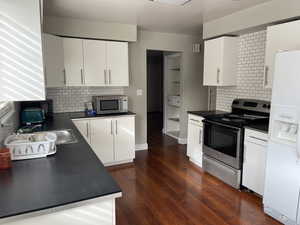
<point>197,120</point>
<point>256,136</point>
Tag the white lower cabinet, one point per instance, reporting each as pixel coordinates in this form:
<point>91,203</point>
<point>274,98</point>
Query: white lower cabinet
<point>100,212</point>
<point>124,138</point>
<point>195,139</point>
<point>102,139</point>
<point>83,127</point>
<point>111,138</point>
<point>255,149</point>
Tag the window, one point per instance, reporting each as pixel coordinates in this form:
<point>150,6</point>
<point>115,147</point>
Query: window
<point>5,107</point>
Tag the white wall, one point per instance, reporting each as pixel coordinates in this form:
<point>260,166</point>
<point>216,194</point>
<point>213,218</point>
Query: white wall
<point>89,29</point>
<point>250,72</point>
<point>254,17</point>
<point>194,94</point>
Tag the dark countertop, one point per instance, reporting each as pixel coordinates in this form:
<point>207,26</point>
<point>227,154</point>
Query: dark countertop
<point>73,174</point>
<point>262,127</point>
<point>83,115</point>
<point>207,114</point>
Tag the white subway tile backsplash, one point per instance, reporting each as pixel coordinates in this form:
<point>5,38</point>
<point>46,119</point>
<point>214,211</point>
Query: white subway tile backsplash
<point>250,72</point>
<point>72,99</point>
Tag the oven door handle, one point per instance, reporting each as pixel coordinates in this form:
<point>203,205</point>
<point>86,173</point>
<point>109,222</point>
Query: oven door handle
<point>220,124</point>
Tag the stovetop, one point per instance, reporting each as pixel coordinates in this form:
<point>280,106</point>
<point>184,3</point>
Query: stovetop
<point>238,120</point>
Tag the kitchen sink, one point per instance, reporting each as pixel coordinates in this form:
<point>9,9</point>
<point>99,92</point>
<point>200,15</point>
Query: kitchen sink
<point>65,136</point>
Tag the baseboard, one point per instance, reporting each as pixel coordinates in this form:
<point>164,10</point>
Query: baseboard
<point>141,147</point>
<point>182,141</point>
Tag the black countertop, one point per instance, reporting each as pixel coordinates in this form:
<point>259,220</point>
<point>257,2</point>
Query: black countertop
<point>73,174</point>
<point>206,114</point>
<point>83,115</point>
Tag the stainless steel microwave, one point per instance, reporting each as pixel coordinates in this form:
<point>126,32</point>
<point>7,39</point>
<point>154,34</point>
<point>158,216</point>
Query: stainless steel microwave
<point>108,104</point>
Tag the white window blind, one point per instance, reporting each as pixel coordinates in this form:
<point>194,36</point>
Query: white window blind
<point>5,107</point>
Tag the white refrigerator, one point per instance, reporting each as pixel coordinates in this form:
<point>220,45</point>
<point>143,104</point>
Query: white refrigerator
<point>282,181</point>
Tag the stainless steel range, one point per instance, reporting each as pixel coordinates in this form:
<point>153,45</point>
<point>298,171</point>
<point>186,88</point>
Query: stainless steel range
<point>224,137</point>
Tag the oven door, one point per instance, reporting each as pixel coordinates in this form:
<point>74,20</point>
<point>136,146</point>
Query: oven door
<point>223,142</point>
<point>106,106</point>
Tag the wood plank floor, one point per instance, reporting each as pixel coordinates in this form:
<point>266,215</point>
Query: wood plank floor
<point>163,188</point>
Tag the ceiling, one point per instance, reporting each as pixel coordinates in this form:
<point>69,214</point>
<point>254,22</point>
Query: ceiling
<point>149,15</point>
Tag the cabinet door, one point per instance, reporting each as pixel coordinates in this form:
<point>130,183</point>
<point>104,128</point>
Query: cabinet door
<point>194,142</point>
<point>279,38</point>
<point>212,61</point>
<point>54,61</point>
<point>102,139</point>
<point>84,129</point>
<point>117,63</point>
<point>95,73</point>
<point>124,138</point>
<point>254,167</point>
<point>21,59</point>
<point>73,60</point>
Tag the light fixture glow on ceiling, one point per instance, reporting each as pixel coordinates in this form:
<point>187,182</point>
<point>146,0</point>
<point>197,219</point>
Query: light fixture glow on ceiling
<point>172,2</point>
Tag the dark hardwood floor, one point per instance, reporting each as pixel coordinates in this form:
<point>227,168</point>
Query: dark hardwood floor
<point>163,188</point>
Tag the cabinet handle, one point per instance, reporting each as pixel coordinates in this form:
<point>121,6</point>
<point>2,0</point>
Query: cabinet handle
<point>200,136</point>
<point>260,139</point>
<point>244,155</point>
<point>82,79</point>
<point>266,75</point>
<point>111,127</point>
<point>87,130</point>
<point>105,80</point>
<point>45,74</point>
<point>65,79</point>
<point>116,127</point>
<point>218,75</point>
<point>109,74</point>
<point>197,121</point>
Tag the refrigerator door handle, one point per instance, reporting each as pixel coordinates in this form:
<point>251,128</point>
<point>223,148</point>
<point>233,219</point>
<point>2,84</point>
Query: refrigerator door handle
<point>298,145</point>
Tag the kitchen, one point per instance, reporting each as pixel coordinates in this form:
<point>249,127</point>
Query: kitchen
<point>103,168</point>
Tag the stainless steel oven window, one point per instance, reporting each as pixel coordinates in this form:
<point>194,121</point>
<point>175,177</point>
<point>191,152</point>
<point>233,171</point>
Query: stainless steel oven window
<point>223,142</point>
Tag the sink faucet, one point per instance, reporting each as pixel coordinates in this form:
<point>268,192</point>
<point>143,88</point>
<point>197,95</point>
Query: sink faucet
<point>28,129</point>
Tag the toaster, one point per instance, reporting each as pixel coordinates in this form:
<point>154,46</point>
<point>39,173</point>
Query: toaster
<point>32,115</point>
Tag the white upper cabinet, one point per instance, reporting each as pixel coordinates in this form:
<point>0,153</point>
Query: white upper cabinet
<point>280,37</point>
<point>21,58</point>
<point>117,63</point>
<point>95,63</point>
<point>220,61</point>
<point>54,61</point>
<point>94,55</point>
<point>73,60</point>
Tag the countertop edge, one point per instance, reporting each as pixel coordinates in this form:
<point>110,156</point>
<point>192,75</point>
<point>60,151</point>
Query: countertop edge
<point>58,208</point>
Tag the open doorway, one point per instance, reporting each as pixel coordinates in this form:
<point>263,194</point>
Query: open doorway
<point>155,92</point>
<point>164,94</point>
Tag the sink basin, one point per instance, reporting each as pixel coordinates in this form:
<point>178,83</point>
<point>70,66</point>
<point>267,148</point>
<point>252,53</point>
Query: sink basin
<point>66,136</point>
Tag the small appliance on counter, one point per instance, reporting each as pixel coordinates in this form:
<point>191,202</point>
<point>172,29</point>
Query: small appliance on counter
<point>89,109</point>
<point>109,104</point>
<point>36,112</point>
<point>32,115</point>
